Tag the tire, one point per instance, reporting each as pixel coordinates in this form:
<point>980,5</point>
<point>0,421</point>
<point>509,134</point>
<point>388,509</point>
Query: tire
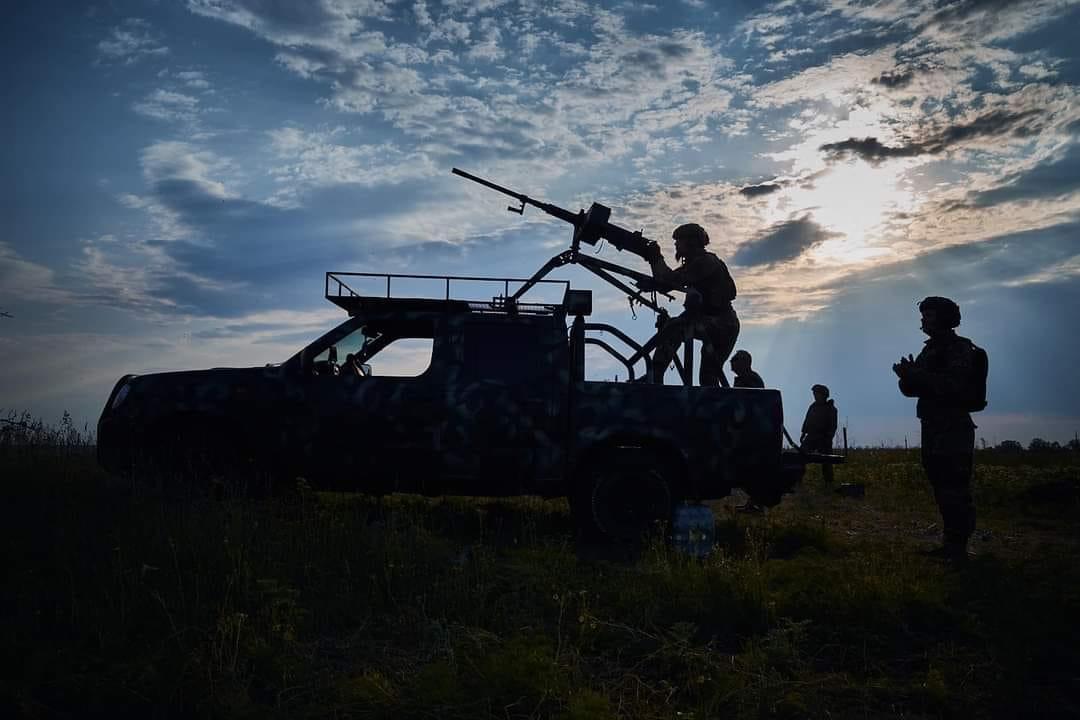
<point>190,463</point>
<point>621,496</point>
<point>170,467</point>
<point>770,492</point>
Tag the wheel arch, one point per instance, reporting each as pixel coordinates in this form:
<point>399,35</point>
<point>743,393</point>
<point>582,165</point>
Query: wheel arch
<point>663,451</point>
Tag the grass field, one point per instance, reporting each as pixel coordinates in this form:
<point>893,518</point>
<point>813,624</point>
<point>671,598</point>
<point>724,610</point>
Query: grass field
<point>343,606</point>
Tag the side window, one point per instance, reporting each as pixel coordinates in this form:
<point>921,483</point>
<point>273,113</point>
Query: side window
<point>501,351</point>
<point>404,357</point>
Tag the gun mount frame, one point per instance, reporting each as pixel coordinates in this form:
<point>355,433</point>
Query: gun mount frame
<point>590,227</point>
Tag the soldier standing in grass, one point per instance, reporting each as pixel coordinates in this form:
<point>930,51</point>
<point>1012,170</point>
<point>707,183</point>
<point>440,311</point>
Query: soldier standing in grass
<point>819,427</point>
<point>949,379</point>
<point>708,316</point>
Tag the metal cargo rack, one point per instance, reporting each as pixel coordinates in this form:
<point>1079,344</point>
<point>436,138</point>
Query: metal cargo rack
<point>339,289</point>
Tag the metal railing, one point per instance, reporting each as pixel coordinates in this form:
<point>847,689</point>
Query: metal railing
<point>337,287</point>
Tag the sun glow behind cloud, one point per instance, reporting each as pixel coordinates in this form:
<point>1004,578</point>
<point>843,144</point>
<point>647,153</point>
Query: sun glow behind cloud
<point>855,200</point>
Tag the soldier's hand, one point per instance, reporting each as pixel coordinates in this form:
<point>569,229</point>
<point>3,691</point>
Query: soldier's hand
<point>646,285</point>
<point>906,363</point>
<point>652,251</point>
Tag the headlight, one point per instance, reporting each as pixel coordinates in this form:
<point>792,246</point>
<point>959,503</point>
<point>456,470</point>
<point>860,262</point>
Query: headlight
<point>121,395</point>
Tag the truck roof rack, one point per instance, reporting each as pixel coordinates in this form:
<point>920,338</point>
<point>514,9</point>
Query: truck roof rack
<point>352,292</point>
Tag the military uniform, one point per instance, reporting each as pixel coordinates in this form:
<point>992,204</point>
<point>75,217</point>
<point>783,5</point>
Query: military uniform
<point>941,379</point>
<point>708,316</point>
<point>749,379</point>
<point>819,427</point>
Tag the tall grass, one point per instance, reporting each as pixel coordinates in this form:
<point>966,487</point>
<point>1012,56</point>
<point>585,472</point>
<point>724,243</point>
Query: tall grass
<point>346,606</point>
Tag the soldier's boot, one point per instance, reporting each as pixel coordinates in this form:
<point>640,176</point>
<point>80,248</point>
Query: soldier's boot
<point>953,551</point>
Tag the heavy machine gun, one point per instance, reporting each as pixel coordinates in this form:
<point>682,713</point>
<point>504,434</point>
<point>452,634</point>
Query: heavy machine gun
<point>590,226</point>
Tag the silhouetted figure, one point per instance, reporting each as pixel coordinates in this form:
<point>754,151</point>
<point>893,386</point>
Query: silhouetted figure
<point>328,366</point>
<point>352,368</point>
<point>949,379</point>
<point>708,315</point>
<point>745,377</point>
<point>819,427</point>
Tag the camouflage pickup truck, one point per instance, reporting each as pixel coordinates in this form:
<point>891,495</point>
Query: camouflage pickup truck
<point>501,407</point>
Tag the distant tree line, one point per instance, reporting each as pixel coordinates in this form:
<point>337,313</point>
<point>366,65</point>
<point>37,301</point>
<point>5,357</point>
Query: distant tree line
<point>1037,445</point>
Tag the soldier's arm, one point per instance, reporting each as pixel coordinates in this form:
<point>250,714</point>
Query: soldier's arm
<point>683,276</point>
<point>664,274</point>
<point>832,420</point>
<point>947,383</point>
<point>905,370</point>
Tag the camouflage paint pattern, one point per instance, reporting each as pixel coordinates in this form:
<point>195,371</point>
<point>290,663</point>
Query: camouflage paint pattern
<point>500,416</point>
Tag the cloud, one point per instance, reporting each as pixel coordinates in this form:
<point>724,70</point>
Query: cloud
<point>1000,260</point>
<point>600,93</point>
<point>22,279</point>
<point>871,149</point>
<point>835,81</point>
<point>991,20</point>
<point>210,250</point>
<point>782,241</point>
<point>130,42</point>
<point>1055,178</point>
<point>326,24</point>
<point>752,191</point>
<point>992,124</point>
<point>894,79</point>
<point>269,326</point>
<point>193,79</point>
<point>168,106</point>
<point>326,158</point>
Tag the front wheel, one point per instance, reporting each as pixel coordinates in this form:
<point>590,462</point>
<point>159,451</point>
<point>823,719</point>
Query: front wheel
<point>191,462</point>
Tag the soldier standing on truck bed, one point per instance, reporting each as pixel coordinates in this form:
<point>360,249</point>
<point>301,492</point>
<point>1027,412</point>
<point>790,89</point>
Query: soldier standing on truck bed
<point>819,427</point>
<point>708,315</point>
<point>949,379</point>
<point>745,377</point>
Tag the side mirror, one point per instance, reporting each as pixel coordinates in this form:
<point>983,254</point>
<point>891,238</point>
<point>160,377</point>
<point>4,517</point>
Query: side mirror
<point>366,369</point>
<point>333,354</point>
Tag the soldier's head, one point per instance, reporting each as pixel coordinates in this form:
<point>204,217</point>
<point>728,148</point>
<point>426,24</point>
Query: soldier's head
<point>821,393</point>
<point>939,315</point>
<point>740,362</point>
<point>690,240</point>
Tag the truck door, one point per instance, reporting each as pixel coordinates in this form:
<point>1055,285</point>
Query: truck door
<point>381,432</point>
<point>505,416</point>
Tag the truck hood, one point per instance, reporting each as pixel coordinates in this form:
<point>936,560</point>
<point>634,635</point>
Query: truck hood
<point>187,390</point>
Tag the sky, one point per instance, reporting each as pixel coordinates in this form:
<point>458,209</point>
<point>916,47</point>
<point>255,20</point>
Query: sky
<point>180,175</point>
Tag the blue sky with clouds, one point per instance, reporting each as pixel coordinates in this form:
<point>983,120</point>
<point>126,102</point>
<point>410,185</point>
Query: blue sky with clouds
<point>179,176</point>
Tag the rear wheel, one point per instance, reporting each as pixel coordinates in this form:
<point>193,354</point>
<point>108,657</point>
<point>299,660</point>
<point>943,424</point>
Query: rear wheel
<point>622,496</point>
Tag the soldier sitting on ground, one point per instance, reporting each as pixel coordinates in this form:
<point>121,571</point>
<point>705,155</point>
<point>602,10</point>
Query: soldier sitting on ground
<point>745,377</point>
<point>819,427</point>
<point>708,315</point>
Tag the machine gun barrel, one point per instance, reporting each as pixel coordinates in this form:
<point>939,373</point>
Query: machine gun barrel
<point>589,226</point>
<point>561,213</point>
